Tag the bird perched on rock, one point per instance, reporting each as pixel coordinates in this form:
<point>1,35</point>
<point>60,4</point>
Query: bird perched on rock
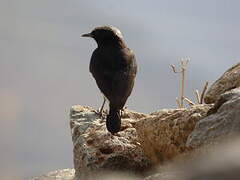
<point>113,65</point>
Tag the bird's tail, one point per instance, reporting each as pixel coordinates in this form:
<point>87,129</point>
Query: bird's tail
<point>113,120</point>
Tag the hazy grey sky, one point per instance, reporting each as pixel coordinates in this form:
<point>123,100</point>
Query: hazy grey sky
<point>44,65</point>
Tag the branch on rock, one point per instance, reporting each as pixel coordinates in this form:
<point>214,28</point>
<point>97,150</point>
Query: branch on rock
<point>182,71</point>
<point>198,96</point>
<point>203,92</point>
<point>189,101</point>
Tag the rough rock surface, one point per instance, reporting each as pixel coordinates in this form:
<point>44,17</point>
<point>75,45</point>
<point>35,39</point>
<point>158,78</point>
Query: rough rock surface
<point>68,174</point>
<point>64,174</point>
<point>163,135</point>
<point>170,175</point>
<point>222,164</point>
<point>223,121</point>
<point>229,80</point>
<point>96,150</point>
<point>116,176</point>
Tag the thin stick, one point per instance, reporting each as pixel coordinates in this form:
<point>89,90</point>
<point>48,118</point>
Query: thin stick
<point>178,103</point>
<point>198,96</point>
<point>183,71</point>
<point>173,68</point>
<point>183,68</point>
<point>203,92</point>
<point>182,84</point>
<point>189,101</point>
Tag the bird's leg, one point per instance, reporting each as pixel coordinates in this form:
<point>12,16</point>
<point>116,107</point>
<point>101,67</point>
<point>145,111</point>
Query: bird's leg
<point>125,107</point>
<point>101,110</point>
<point>121,110</point>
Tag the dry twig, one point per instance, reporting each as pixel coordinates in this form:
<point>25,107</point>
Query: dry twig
<point>203,92</point>
<point>198,96</point>
<point>178,103</point>
<point>189,101</point>
<point>183,68</point>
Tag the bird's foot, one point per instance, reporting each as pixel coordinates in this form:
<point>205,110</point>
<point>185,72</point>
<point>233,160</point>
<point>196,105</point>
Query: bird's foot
<point>122,111</point>
<point>101,113</point>
<point>112,135</point>
<point>124,108</point>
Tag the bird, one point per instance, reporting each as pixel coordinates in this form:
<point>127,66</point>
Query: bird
<point>114,68</point>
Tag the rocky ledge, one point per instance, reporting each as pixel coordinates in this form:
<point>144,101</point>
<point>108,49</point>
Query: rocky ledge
<point>96,150</point>
<point>150,142</point>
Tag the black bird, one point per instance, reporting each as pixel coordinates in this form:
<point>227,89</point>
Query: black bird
<point>113,65</point>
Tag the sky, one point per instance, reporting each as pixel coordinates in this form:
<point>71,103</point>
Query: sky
<point>44,66</point>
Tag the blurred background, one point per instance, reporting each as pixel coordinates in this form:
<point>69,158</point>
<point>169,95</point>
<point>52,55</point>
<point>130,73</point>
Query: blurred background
<point>44,66</point>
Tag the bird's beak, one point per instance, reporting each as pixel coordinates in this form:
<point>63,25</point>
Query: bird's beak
<point>87,35</point>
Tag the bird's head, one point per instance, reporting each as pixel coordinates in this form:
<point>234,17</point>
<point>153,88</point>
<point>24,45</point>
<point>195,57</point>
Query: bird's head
<point>106,35</point>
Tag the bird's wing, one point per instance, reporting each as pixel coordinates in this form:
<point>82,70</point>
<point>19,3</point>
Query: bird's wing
<point>123,80</point>
<point>114,72</point>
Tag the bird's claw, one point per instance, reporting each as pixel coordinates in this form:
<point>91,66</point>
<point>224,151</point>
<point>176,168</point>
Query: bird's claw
<point>102,113</point>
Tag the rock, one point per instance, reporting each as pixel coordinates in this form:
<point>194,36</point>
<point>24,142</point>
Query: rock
<point>63,174</point>
<point>223,121</point>
<point>96,150</point>
<point>222,164</point>
<point>229,80</point>
<point>171,175</point>
<point>115,176</point>
<point>163,135</point>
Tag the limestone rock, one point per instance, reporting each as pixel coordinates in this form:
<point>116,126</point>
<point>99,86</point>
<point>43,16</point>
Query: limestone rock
<point>96,150</point>
<point>229,80</point>
<point>116,176</point>
<point>63,174</point>
<point>171,175</point>
<point>163,135</point>
<point>222,164</point>
<point>223,121</point>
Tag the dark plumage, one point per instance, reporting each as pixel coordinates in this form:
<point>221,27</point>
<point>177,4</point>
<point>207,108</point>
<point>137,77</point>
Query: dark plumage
<point>114,68</point>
